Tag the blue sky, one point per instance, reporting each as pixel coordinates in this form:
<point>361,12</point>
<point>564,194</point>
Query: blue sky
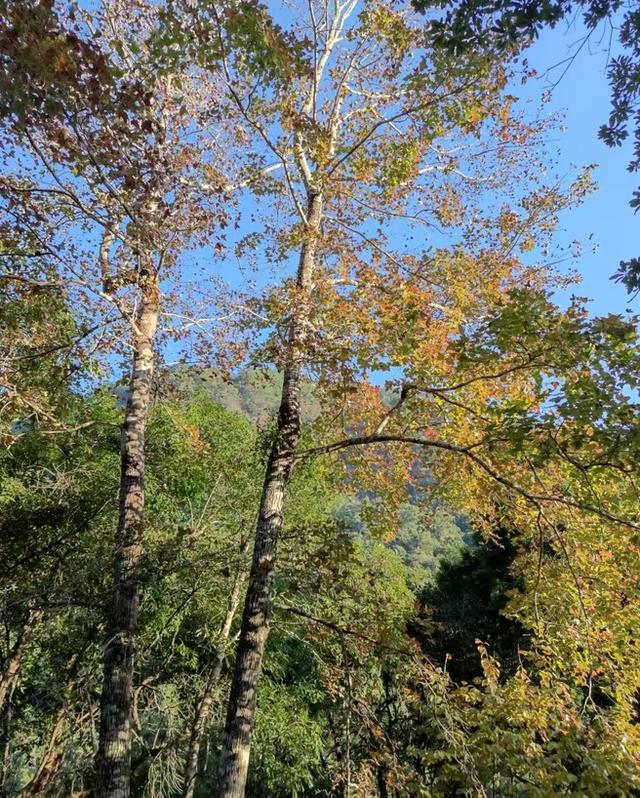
<point>583,94</point>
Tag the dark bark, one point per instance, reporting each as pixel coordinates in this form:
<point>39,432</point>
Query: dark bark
<point>5,747</point>
<point>113,761</point>
<point>382,782</point>
<point>236,745</point>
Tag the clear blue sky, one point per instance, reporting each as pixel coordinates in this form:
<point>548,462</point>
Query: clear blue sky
<point>583,94</point>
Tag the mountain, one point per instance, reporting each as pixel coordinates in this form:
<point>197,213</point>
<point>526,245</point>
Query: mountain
<point>253,392</point>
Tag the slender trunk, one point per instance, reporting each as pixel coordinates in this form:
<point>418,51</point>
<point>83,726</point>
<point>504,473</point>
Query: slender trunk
<point>382,782</point>
<point>50,762</point>
<point>53,757</point>
<point>8,680</point>
<point>5,748</point>
<point>347,724</point>
<point>199,724</point>
<point>236,744</point>
<point>204,705</point>
<point>11,666</point>
<point>113,761</point>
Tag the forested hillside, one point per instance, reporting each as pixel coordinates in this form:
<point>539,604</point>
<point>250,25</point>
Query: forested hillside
<point>200,506</point>
<point>317,477</point>
<point>422,539</point>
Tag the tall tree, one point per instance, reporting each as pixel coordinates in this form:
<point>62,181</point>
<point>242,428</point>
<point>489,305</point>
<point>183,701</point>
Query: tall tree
<point>111,135</point>
<point>368,129</point>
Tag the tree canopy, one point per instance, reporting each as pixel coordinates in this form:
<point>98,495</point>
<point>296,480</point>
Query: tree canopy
<point>309,486</point>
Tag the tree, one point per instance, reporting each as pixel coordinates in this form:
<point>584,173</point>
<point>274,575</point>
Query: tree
<point>466,603</point>
<point>581,440</point>
<point>104,193</point>
<point>352,151</point>
<point>510,25</point>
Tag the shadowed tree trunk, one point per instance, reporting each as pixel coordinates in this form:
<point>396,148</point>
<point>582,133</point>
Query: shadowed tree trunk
<point>382,782</point>
<point>11,665</point>
<point>236,745</point>
<point>204,705</point>
<point>5,748</point>
<point>113,762</point>
<point>8,681</point>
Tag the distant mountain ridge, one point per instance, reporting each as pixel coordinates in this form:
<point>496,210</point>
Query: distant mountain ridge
<point>255,393</point>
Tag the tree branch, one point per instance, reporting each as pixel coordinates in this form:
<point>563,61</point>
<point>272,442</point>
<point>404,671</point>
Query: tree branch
<point>466,451</point>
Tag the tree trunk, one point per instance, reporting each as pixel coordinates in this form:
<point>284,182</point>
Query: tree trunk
<point>53,757</point>
<point>5,748</point>
<point>50,762</point>
<point>113,761</point>
<point>11,666</point>
<point>204,705</point>
<point>382,782</point>
<point>347,723</point>
<point>8,681</point>
<point>236,744</point>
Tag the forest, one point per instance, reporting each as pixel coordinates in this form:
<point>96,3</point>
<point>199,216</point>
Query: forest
<point>318,474</point>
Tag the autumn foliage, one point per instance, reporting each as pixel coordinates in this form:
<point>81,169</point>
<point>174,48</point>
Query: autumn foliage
<point>309,485</point>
